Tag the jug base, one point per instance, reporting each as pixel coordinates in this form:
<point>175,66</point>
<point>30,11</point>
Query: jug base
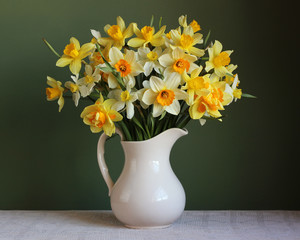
<point>147,227</point>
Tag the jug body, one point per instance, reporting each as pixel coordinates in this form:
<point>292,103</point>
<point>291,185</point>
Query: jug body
<point>148,194</point>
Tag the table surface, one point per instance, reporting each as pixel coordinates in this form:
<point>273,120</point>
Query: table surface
<point>192,225</point>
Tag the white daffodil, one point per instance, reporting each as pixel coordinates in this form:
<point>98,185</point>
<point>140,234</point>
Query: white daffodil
<point>74,88</point>
<point>236,93</point>
<point>126,65</point>
<point>178,62</point>
<point>164,95</point>
<point>96,34</point>
<point>87,83</point>
<point>124,99</point>
<point>149,59</point>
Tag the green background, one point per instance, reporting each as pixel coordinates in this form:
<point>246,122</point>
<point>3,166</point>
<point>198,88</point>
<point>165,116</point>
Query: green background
<point>250,161</point>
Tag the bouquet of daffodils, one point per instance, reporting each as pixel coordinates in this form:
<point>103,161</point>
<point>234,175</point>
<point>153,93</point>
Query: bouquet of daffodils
<point>145,81</point>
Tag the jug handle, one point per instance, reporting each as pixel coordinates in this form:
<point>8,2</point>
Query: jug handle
<point>101,160</point>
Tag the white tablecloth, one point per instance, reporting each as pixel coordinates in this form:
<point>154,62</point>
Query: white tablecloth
<point>193,225</point>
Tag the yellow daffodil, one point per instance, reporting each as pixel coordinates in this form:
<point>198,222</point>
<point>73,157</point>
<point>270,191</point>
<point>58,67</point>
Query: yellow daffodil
<point>230,78</point>
<point>100,116</point>
<point>147,35</point>
<point>164,95</point>
<point>236,93</point>
<point>73,54</point>
<point>187,40</point>
<point>177,61</point>
<point>194,24</point>
<point>218,60</point>
<point>196,85</point>
<point>117,34</point>
<point>212,101</point>
<point>55,92</point>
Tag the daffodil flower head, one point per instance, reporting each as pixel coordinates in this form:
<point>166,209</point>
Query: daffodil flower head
<point>126,65</point>
<point>74,88</point>
<point>149,59</point>
<point>187,41</point>
<point>87,83</point>
<point>55,92</point>
<point>194,24</point>
<point>147,35</point>
<point>117,34</point>
<point>123,99</point>
<point>196,85</point>
<point>164,95</point>
<point>73,54</point>
<point>218,60</point>
<point>177,61</point>
<point>100,116</point>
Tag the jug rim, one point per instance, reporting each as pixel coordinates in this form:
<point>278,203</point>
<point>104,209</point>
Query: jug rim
<point>184,132</point>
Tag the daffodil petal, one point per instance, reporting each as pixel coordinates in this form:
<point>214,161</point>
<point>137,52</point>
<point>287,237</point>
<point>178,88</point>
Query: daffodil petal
<point>180,94</point>
<point>136,42</point>
<point>172,81</point>
<point>64,61</point>
<point>115,55</point>
<point>157,110</point>
<point>196,51</point>
<point>166,60</point>
<point>148,68</point>
<point>76,42</point>
<point>129,110</point>
<point>149,97</point>
<point>156,84</point>
<point>75,66</point>
<point>174,108</point>
<point>217,48</point>
<point>129,31</point>
<point>130,56</point>
<point>156,42</point>
<point>86,49</point>
<point>121,23</point>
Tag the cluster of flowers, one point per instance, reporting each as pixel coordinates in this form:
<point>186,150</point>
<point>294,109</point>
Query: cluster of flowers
<point>152,82</point>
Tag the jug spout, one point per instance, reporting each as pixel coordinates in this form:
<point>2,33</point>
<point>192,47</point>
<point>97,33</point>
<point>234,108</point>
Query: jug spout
<point>172,135</point>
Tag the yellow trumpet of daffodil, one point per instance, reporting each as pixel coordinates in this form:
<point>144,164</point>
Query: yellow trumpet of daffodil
<point>147,35</point>
<point>73,54</point>
<point>55,92</point>
<point>218,60</point>
<point>117,34</point>
<point>100,116</point>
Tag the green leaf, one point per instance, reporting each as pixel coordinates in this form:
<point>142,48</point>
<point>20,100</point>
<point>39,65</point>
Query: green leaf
<point>50,47</point>
<point>248,95</point>
<point>151,21</point>
<point>206,39</point>
<point>159,24</point>
<point>105,69</point>
<point>125,131</point>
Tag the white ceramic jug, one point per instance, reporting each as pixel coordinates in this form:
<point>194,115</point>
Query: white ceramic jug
<point>147,193</point>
